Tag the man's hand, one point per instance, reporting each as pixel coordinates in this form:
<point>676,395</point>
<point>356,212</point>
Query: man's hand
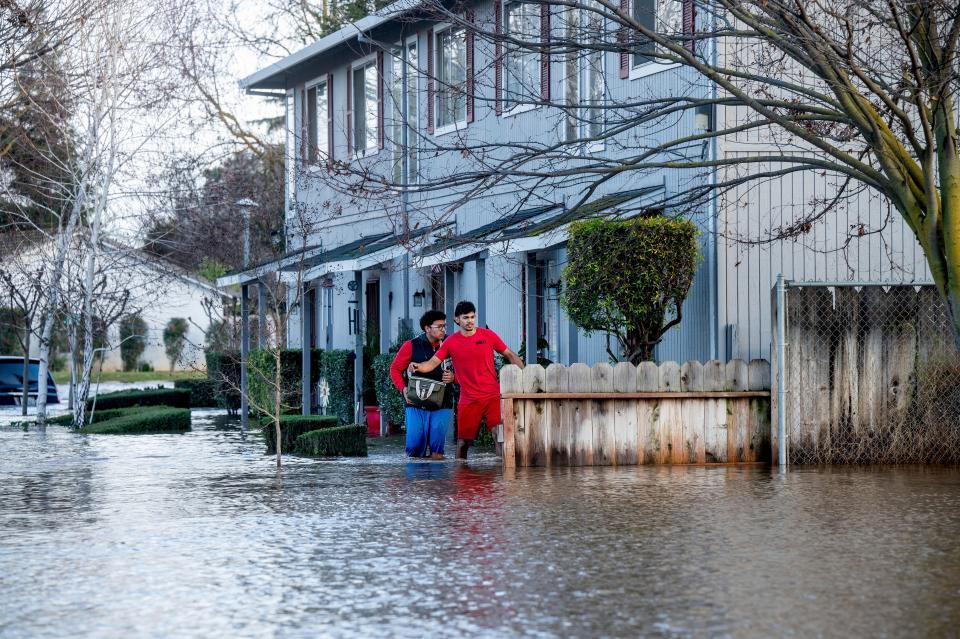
<point>447,377</point>
<point>404,393</point>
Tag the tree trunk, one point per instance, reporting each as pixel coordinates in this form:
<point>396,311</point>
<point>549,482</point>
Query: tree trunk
<point>26,373</point>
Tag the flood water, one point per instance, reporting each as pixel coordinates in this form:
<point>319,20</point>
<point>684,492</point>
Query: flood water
<point>199,535</point>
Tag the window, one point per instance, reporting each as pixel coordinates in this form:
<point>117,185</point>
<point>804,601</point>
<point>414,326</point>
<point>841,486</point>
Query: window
<point>398,92</point>
<point>318,112</point>
<point>583,83</point>
<point>451,92</point>
<point>663,16</point>
<point>365,120</point>
<point>521,66</point>
<point>291,150</point>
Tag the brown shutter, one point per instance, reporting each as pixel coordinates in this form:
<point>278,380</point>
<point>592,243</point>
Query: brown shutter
<point>430,80</point>
<point>380,99</point>
<point>689,23</point>
<point>349,112</point>
<point>304,136</point>
<point>498,57</point>
<point>330,117</point>
<point>545,55</point>
<point>469,43</point>
<point>622,42</point>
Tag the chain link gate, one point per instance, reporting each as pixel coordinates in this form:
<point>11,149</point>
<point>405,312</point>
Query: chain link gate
<point>870,374</point>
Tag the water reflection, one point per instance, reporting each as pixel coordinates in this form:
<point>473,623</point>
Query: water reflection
<point>199,534</point>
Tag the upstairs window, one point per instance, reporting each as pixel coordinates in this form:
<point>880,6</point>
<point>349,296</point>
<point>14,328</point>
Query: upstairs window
<point>318,115</point>
<point>365,115</point>
<point>584,83</point>
<point>400,91</point>
<point>661,16</point>
<point>521,65</point>
<point>451,91</point>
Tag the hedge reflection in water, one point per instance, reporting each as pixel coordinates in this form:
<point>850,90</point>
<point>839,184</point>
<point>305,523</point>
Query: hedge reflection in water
<point>198,534</point>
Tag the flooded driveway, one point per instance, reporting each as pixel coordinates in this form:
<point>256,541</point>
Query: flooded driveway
<point>198,535</point>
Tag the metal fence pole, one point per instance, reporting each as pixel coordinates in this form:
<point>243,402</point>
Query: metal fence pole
<point>782,443</point>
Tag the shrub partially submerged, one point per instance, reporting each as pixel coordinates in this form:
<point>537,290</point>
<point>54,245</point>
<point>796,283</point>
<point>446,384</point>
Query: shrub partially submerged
<point>158,419</point>
<point>343,441</point>
<point>292,426</point>
<point>176,397</point>
<point>98,416</point>
<point>203,392</point>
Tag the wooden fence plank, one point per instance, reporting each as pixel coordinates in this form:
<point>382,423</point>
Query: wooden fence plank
<point>535,445</point>
<point>648,436</point>
<point>555,418</point>
<point>738,426</point>
<point>581,381</point>
<point>691,380</point>
<point>670,430</point>
<point>604,441</point>
<point>758,374</point>
<point>715,412</point>
<point>648,377</point>
<point>737,375</point>
<point>511,381</point>
<point>626,435</point>
<point>669,376</point>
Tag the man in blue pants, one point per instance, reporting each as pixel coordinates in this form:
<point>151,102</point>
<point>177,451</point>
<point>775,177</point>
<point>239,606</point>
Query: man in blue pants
<point>426,429</point>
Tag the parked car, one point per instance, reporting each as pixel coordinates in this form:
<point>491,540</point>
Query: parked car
<point>11,382</point>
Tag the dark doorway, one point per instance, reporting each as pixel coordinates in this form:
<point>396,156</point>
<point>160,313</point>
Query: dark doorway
<point>372,308</point>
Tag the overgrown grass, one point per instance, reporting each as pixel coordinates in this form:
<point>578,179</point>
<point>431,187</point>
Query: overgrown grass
<point>63,377</point>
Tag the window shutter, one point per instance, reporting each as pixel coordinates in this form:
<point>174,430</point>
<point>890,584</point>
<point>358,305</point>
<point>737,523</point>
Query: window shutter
<point>498,57</point>
<point>304,135</point>
<point>544,55</point>
<point>622,41</point>
<point>470,85</point>
<point>380,99</point>
<point>330,104</point>
<point>349,112</point>
<point>689,22</point>
<point>430,80</point>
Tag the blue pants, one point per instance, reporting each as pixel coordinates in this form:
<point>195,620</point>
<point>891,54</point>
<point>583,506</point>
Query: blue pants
<point>426,430</point>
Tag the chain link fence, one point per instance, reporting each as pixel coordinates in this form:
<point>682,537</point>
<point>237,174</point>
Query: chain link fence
<point>872,376</point>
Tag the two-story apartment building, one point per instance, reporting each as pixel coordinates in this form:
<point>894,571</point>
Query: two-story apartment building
<point>417,97</point>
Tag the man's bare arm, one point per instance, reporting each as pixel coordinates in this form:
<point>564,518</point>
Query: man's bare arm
<point>427,366</point>
<point>513,358</point>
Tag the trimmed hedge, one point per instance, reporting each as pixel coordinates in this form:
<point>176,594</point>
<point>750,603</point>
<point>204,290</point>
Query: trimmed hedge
<point>203,392</point>
<point>157,419</point>
<point>292,426</point>
<point>98,416</point>
<point>335,366</point>
<point>174,397</point>
<point>392,406</point>
<point>223,369</point>
<point>344,441</point>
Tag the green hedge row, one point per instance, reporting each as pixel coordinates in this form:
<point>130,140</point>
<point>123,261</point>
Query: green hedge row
<point>291,427</point>
<point>156,419</point>
<point>345,441</point>
<point>98,416</point>
<point>335,366</point>
<point>175,397</point>
<point>223,369</point>
<point>392,406</point>
<point>203,392</point>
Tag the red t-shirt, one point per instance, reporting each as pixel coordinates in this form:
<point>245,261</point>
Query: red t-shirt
<point>473,363</point>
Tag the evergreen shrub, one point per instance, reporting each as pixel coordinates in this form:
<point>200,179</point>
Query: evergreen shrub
<point>223,369</point>
<point>175,397</point>
<point>203,392</point>
<point>335,366</point>
<point>292,426</point>
<point>343,441</point>
<point>392,407</point>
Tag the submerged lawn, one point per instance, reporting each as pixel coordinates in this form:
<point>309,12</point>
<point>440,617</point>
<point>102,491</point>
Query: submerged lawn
<point>63,377</point>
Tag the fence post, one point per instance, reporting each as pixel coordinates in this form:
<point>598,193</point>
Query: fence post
<point>781,353</point>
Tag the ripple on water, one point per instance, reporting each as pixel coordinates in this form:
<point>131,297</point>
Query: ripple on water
<point>199,534</point>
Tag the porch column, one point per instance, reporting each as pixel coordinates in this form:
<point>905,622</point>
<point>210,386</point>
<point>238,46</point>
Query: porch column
<point>261,315</point>
<point>449,304</point>
<point>358,349</point>
<point>481,264</point>
<point>531,305</point>
<point>305,398</point>
<point>406,283</point>
<point>328,296</point>
<point>385,322</point>
<point>244,353</point>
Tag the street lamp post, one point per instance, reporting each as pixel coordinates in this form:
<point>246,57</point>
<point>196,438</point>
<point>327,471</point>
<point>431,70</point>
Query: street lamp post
<point>245,205</point>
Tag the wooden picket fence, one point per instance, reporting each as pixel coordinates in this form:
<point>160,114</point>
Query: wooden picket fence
<point>576,415</point>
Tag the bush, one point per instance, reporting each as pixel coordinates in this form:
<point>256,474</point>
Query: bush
<point>334,366</point>
<point>98,416</point>
<point>133,340</point>
<point>223,369</point>
<point>392,406</point>
<point>628,278</point>
<point>175,397</point>
<point>203,392</point>
<point>158,419</point>
<point>174,339</point>
<point>145,367</point>
<point>345,441</point>
<point>292,426</point>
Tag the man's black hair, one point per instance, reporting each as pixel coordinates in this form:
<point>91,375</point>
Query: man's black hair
<point>463,308</point>
<point>428,318</point>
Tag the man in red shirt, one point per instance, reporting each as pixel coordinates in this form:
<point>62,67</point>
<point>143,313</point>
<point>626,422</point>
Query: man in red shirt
<point>471,349</point>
